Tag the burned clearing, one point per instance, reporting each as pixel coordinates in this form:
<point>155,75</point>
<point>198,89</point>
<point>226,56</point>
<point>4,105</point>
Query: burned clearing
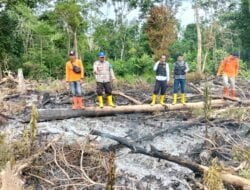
<point>170,149</point>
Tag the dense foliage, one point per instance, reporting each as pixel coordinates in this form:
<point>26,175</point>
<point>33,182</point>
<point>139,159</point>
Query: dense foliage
<point>37,34</point>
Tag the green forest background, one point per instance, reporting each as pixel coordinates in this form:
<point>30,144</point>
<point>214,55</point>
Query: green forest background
<point>36,35</point>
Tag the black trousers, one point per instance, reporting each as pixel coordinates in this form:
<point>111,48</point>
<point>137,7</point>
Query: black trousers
<point>160,87</point>
<point>103,86</point>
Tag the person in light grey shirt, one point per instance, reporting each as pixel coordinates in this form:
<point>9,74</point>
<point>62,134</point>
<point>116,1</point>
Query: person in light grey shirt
<point>180,70</point>
<point>161,68</point>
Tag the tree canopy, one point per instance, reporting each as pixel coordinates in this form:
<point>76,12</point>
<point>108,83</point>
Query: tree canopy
<point>38,34</point>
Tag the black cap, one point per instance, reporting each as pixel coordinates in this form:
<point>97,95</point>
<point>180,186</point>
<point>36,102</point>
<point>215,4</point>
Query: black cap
<point>72,53</point>
<point>235,54</point>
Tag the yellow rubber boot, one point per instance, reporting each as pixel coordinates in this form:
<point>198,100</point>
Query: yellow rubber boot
<point>162,99</point>
<point>174,99</point>
<point>100,100</point>
<point>110,101</point>
<point>183,98</point>
<point>154,96</point>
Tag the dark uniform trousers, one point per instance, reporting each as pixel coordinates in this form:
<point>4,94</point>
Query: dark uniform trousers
<point>160,87</point>
<point>103,86</point>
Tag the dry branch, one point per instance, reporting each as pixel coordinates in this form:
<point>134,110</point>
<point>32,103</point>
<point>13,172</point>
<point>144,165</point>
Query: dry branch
<point>7,79</point>
<point>127,97</point>
<point>198,90</point>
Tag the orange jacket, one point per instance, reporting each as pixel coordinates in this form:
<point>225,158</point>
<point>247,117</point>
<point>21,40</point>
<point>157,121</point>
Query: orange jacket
<point>70,74</point>
<point>229,67</point>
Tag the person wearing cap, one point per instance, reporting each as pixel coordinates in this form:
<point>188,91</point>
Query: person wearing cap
<point>161,68</point>
<point>229,69</point>
<point>74,75</point>
<point>180,70</point>
<point>104,75</point>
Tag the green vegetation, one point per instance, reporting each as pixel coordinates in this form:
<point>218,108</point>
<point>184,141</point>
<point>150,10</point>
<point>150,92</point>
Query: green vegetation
<point>37,35</point>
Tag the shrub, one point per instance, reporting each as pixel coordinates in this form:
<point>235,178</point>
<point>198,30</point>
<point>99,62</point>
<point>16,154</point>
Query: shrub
<point>133,66</point>
<point>35,71</point>
<point>190,58</point>
<point>244,72</point>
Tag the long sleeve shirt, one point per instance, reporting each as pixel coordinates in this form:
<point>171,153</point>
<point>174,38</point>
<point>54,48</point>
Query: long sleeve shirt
<point>229,67</point>
<point>103,71</point>
<point>162,78</point>
<point>71,76</point>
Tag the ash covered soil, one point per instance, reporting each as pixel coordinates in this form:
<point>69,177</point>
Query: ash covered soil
<point>137,171</point>
<point>181,133</point>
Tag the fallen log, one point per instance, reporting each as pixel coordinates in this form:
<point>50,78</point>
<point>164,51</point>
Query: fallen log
<point>153,152</point>
<point>66,113</point>
<point>234,99</point>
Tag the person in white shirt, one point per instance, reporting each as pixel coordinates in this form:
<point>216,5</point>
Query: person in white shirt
<point>104,76</point>
<point>161,68</point>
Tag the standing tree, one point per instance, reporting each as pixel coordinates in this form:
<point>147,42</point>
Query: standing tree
<point>70,13</point>
<point>199,38</point>
<point>209,27</point>
<point>161,30</point>
<point>242,24</point>
<point>1,73</point>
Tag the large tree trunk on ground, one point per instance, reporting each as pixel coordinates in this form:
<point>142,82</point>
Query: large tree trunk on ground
<point>153,152</point>
<point>58,114</point>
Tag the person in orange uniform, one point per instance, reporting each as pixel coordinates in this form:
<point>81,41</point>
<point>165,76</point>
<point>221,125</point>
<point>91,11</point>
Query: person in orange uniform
<point>74,75</point>
<point>229,69</point>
